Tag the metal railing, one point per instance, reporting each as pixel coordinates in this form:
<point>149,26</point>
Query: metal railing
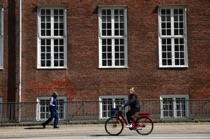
<point>91,110</point>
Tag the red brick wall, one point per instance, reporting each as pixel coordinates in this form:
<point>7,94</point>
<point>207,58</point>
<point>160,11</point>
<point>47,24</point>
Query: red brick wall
<point>8,75</point>
<point>4,71</point>
<point>83,80</point>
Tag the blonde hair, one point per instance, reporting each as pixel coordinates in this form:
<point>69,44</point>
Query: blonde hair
<point>132,89</point>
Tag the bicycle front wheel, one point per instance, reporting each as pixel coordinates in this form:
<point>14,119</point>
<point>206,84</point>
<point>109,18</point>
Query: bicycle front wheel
<point>114,126</point>
<point>144,125</point>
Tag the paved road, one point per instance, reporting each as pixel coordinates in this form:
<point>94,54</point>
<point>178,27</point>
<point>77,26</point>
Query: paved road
<point>96,131</point>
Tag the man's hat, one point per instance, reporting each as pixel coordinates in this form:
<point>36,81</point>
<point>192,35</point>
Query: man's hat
<point>55,93</point>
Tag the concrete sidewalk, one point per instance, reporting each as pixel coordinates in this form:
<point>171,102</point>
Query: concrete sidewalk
<point>97,130</point>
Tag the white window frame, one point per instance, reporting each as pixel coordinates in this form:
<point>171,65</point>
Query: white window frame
<point>115,58</point>
<point>1,37</point>
<point>58,55</point>
<point>113,98</point>
<point>38,118</point>
<point>178,55</point>
<point>174,104</point>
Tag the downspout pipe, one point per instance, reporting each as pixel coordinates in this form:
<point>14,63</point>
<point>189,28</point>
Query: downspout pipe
<point>20,63</point>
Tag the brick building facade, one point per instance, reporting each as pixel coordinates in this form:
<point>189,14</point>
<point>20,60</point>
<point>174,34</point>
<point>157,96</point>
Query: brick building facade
<point>98,49</point>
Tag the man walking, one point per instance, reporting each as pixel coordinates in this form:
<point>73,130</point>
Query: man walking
<point>53,111</point>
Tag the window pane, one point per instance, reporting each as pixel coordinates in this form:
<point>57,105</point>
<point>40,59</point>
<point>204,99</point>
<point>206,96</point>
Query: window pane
<point>167,107</point>
<point>166,52</point>
<point>180,105</point>
<point>119,52</point>
<point>109,32</point>
<point>171,25</point>
<point>178,22</point>
<point>58,22</point>
<point>45,22</point>
<point>52,49</point>
<point>118,22</point>
<point>182,62</point>
<point>58,52</point>
<point>112,26</point>
<point>107,52</point>
<point>179,51</point>
<point>166,21</point>
<point>106,107</point>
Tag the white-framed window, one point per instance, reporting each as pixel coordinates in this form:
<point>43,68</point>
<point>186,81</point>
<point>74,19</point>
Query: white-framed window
<point>106,103</point>
<point>52,38</point>
<point>43,105</point>
<point>174,106</point>
<point>172,36</point>
<point>113,37</point>
<point>1,37</point>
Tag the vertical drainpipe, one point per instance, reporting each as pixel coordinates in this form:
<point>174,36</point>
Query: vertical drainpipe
<point>20,63</point>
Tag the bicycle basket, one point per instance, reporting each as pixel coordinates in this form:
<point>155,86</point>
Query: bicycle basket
<point>114,111</point>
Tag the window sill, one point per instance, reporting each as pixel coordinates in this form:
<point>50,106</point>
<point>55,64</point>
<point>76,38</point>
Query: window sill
<point>51,68</point>
<point>125,67</point>
<point>173,67</point>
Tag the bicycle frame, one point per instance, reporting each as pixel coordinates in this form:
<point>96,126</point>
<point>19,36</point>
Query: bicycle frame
<point>141,115</point>
<point>147,115</point>
<point>120,116</point>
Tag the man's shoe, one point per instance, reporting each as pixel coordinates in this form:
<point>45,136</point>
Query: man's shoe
<point>43,124</point>
<point>128,126</point>
<point>56,127</point>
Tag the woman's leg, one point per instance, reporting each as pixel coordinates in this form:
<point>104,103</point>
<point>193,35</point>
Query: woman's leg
<point>130,113</point>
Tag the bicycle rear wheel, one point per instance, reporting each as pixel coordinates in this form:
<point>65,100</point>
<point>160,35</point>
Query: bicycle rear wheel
<point>144,125</point>
<point>114,126</point>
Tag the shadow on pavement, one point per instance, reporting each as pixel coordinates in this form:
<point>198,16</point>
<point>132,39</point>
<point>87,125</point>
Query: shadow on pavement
<point>105,135</point>
<point>34,128</point>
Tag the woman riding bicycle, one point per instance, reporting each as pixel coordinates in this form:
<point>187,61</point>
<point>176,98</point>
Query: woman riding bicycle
<point>134,104</point>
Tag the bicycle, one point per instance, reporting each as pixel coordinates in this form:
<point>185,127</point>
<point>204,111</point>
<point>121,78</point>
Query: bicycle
<point>141,123</point>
